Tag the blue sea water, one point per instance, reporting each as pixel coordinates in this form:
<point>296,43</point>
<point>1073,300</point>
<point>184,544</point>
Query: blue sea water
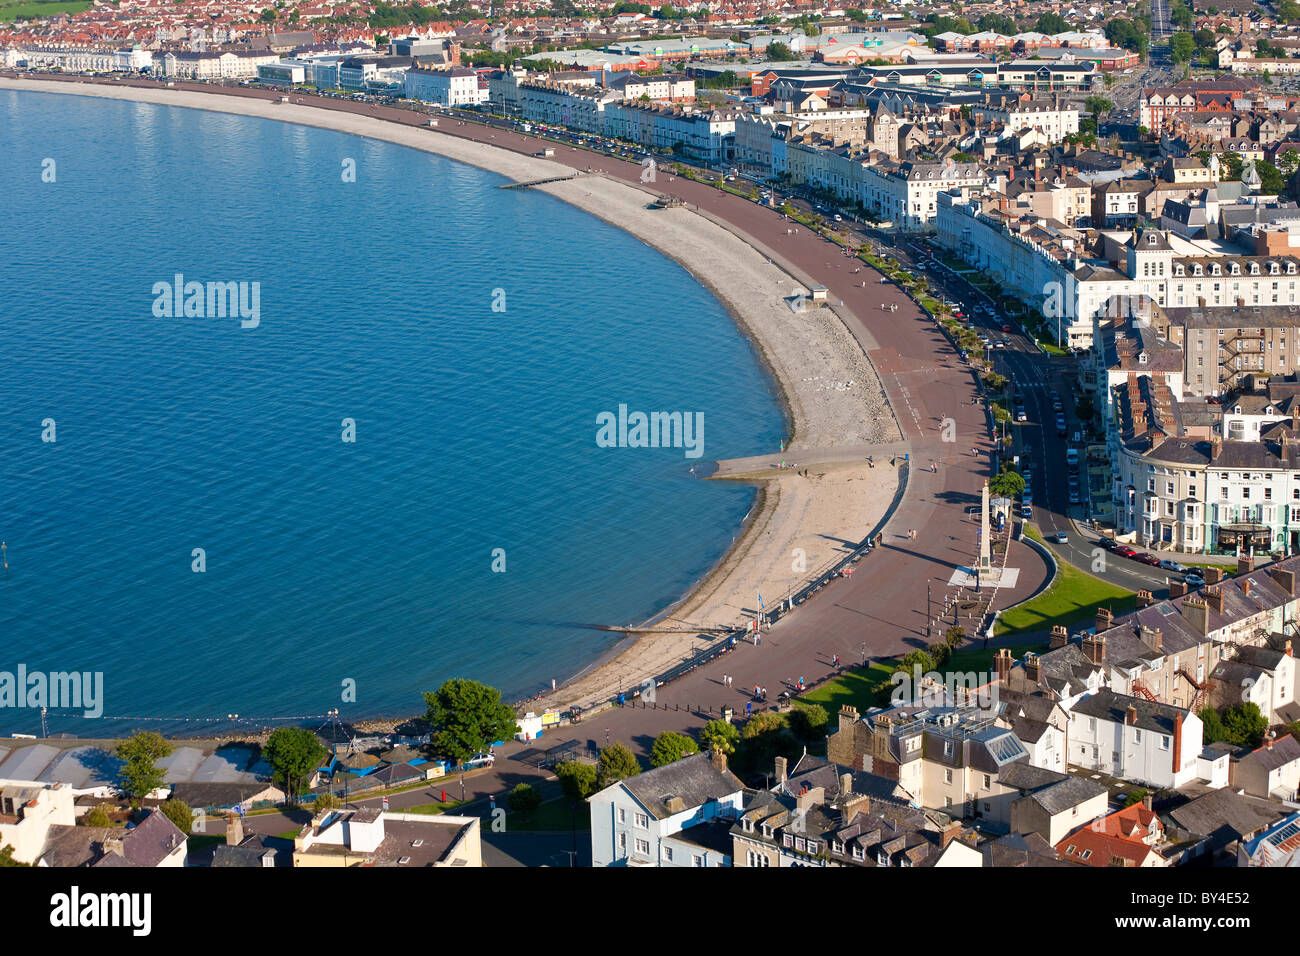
<point>329,561</point>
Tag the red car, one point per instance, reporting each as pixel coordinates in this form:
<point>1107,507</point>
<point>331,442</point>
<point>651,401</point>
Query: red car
<point>1150,559</point>
<point>1006,328</point>
<point>1124,551</point>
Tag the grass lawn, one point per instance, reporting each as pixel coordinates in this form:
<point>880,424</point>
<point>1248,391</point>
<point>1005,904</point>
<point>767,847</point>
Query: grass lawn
<point>1073,598</point>
<point>857,688</point>
<point>11,10</point>
<point>432,809</point>
<point>551,815</point>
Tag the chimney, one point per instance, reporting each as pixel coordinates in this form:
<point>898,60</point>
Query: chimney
<point>1002,664</point>
<point>114,846</point>
<point>1144,599</point>
<point>1286,649</point>
<point>1216,445</point>
<point>234,830</point>
<point>1031,667</point>
<point>846,785</point>
<point>1177,589</point>
<point>1245,563</point>
<point>780,769</point>
<point>1285,579</point>
<point>1197,613</point>
<point>1131,715</point>
<point>1245,588</point>
<point>1178,741</point>
<point>1214,598</point>
<point>1060,637</point>
<point>1104,619</point>
<point>1270,742</point>
<point>719,761</point>
<point>1094,648</point>
<point>949,833</point>
<point>1147,801</point>
<point>848,717</point>
<point>1151,637</point>
<point>1213,575</point>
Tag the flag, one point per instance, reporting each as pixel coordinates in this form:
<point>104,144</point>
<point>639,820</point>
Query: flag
<point>760,603</point>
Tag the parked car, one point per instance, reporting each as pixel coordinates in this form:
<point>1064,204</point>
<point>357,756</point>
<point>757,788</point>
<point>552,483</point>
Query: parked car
<point>1149,559</point>
<point>1020,414</point>
<point>1171,565</point>
<point>1193,580</point>
<point>1110,544</point>
<point>1006,328</point>
<point>1124,551</point>
<point>480,760</point>
<point>1027,513</point>
<point>1077,438</point>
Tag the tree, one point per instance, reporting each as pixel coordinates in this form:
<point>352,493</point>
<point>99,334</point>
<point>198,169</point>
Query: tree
<point>294,753</point>
<point>140,775</point>
<point>1288,11</point>
<point>939,652</point>
<point>467,717</point>
<point>954,636</point>
<point>670,747</point>
<point>268,15</point>
<point>1007,484</point>
<point>720,735</point>
<point>524,798</point>
<point>325,801</point>
<point>809,721</point>
<point>577,779</point>
<point>1271,180</point>
<point>98,816</point>
<point>1052,23</point>
<point>1181,47</point>
<point>1288,160</point>
<point>1245,724</point>
<point>7,857</point>
<point>1098,106</point>
<point>179,813</point>
<point>779,52</point>
<point>616,762</point>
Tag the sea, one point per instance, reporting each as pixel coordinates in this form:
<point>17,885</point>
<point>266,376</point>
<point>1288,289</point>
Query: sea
<point>376,470</point>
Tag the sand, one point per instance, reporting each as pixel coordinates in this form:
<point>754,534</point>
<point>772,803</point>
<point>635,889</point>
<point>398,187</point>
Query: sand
<point>834,396</point>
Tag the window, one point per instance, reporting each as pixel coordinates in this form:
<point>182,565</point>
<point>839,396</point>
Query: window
<point>622,842</point>
<point>1137,736</point>
<point>622,815</point>
<point>988,781</point>
<point>642,821</point>
<point>697,860</point>
<point>1164,742</point>
<point>947,776</point>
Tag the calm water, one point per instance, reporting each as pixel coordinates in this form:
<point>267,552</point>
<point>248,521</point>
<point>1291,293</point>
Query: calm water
<point>326,560</point>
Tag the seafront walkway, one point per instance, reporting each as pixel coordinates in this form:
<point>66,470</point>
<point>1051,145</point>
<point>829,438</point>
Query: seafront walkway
<point>764,466</point>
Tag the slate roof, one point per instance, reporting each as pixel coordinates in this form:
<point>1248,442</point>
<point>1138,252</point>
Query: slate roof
<point>694,779</point>
<point>1066,794</point>
<point>1107,705</point>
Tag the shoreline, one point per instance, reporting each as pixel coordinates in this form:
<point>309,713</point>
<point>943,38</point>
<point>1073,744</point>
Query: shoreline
<point>813,360</point>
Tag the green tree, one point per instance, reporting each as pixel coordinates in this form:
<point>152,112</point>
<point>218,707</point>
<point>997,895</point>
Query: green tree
<point>139,775</point>
<point>1098,106</point>
<point>669,747</point>
<point>1288,11</point>
<point>1052,23</point>
<point>1181,47</point>
<point>1007,484</point>
<point>720,735</point>
<point>7,857</point>
<point>1271,180</point>
<point>577,779</point>
<point>467,717</point>
<point>778,52</point>
<point>939,652</point>
<point>808,721</point>
<point>1136,795</point>
<point>1288,160</point>
<point>179,813</point>
<point>524,798</point>
<point>98,816</point>
<point>268,15</point>
<point>1245,724</point>
<point>617,762</point>
<point>294,754</point>
<point>325,801</point>
<point>954,636</point>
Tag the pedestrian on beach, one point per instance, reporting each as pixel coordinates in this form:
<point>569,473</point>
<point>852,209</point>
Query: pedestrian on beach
<point>749,707</point>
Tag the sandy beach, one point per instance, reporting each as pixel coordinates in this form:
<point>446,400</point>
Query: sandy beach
<point>807,516</point>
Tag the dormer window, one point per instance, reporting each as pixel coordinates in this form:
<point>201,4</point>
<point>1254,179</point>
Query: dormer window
<point>1236,269</point>
<point>1178,269</point>
<point>1152,239</point>
<point>1254,268</point>
<point>1142,358</point>
<point>1273,269</point>
<point>1197,270</point>
<point>1290,268</point>
<point>882,859</point>
<point>1215,270</point>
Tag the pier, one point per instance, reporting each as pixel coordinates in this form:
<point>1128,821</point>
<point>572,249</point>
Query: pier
<point>539,182</point>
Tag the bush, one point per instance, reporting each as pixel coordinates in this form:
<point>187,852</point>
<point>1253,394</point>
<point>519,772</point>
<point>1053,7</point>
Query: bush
<point>808,721</point>
<point>524,798</point>
<point>98,816</point>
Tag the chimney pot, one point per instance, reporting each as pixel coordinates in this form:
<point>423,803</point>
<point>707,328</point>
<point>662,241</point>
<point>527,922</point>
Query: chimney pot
<point>1131,715</point>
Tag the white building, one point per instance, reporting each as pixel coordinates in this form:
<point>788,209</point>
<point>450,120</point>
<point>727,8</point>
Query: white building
<point>907,193</point>
<point>637,821</point>
<point>1135,739</point>
<point>455,87</point>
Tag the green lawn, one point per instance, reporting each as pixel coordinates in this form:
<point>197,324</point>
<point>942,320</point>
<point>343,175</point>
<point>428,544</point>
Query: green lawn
<point>857,688</point>
<point>1072,599</point>
<point>11,10</point>
<point>432,809</point>
<point>551,815</point>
